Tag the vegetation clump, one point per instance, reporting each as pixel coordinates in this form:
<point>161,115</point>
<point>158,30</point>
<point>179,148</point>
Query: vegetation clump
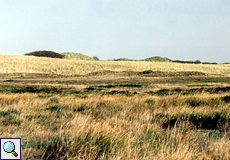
<point>226,99</point>
<point>192,91</point>
<point>195,102</point>
<point>50,54</point>
<point>211,121</point>
<point>76,56</point>
<point>157,59</point>
<point>124,59</point>
<point>146,72</point>
<point>96,58</point>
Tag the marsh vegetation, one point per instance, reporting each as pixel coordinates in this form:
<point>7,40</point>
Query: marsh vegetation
<point>115,110</point>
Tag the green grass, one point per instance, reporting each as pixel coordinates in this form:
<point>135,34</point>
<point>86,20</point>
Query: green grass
<point>195,102</point>
<point>192,80</point>
<point>100,90</point>
<point>197,120</point>
<point>213,90</point>
<point>8,112</point>
<point>127,93</point>
<point>152,74</point>
<point>124,59</point>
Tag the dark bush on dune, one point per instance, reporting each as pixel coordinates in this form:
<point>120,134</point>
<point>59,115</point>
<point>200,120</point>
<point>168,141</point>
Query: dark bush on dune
<point>198,62</point>
<point>208,63</point>
<point>178,61</point>
<point>50,54</point>
<point>191,62</point>
<point>96,58</point>
<point>146,72</point>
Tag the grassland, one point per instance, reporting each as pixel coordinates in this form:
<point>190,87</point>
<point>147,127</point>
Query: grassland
<point>31,64</point>
<point>115,110</point>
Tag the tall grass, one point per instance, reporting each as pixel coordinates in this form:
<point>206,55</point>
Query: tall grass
<point>116,126</point>
<point>20,63</point>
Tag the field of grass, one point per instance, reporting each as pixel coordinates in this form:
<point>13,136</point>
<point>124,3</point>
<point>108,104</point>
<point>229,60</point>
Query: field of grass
<point>115,110</point>
<point>31,64</point>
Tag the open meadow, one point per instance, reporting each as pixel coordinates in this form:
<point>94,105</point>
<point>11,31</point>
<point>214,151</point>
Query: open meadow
<point>72,109</point>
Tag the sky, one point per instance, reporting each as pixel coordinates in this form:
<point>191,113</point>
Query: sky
<point>111,29</point>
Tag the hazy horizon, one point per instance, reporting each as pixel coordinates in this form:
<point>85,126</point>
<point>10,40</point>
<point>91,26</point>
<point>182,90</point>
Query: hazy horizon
<point>179,30</point>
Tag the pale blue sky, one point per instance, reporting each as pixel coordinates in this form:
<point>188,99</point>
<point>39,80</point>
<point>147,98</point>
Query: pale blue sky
<point>112,29</point>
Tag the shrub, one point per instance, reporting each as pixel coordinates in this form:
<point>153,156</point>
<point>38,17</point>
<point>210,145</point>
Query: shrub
<point>96,58</point>
<point>50,54</point>
<point>197,61</point>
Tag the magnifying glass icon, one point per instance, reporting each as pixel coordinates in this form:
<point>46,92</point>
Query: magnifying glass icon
<point>9,147</point>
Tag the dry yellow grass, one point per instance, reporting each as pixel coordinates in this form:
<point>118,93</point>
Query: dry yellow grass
<point>130,126</point>
<point>30,64</point>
